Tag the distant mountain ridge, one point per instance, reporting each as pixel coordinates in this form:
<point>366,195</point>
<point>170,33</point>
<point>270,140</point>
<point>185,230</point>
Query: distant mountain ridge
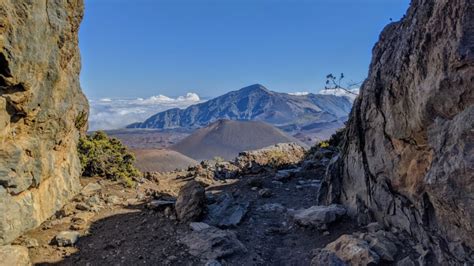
<point>255,103</point>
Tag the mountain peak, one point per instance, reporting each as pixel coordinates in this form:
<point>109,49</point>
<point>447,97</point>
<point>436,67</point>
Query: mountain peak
<point>254,87</point>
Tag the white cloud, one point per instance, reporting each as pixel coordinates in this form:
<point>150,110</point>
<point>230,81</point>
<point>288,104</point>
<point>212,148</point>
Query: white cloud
<point>299,93</point>
<point>351,94</point>
<point>108,113</point>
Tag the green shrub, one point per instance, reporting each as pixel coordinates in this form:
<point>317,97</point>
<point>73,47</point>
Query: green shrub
<point>324,144</point>
<point>106,157</point>
<point>337,138</point>
<point>276,158</point>
<point>218,159</point>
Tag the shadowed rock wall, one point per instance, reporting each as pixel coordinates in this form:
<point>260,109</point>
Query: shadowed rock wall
<point>42,110</point>
<point>408,157</point>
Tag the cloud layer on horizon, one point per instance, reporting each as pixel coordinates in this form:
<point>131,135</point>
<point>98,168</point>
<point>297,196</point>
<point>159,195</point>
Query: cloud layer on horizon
<point>108,113</point>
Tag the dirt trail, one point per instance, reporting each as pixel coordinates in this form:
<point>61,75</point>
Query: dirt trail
<point>128,233</point>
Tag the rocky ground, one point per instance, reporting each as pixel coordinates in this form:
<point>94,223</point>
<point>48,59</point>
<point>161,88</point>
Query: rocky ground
<point>261,209</point>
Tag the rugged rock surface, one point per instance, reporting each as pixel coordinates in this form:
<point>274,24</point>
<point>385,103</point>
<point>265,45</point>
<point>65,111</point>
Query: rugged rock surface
<point>226,211</point>
<point>212,243</point>
<point>408,157</point>
<point>353,250</point>
<point>273,157</point>
<point>14,255</point>
<point>42,111</point>
<point>191,202</point>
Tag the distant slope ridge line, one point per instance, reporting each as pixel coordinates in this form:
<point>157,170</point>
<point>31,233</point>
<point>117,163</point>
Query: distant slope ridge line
<point>227,138</point>
<point>255,103</point>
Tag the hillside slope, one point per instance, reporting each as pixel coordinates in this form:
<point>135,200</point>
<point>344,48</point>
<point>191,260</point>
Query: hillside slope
<point>255,103</point>
<point>226,138</point>
<point>161,160</point>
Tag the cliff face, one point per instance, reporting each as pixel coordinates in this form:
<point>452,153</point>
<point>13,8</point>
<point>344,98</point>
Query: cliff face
<point>42,110</point>
<point>408,156</point>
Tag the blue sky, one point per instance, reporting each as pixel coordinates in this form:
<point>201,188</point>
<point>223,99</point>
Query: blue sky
<point>142,48</point>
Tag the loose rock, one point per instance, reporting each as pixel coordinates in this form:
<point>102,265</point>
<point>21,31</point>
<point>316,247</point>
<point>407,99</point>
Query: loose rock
<point>90,189</point>
<point>319,216</point>
<point>226,211</point>
<point>198,226</point>
<point>114,200</point>
<point>66,238</point>
<point>383,243</point>
<point>353,250</point>
<point>324,257</point>
<point>212,243</point>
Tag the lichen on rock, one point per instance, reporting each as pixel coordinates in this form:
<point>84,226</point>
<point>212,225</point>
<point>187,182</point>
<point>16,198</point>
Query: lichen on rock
<point>42,111</point>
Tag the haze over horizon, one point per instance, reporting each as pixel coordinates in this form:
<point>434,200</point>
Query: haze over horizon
<point>175,47</point>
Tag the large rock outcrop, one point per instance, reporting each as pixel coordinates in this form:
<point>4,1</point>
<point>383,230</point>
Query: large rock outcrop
<point>42,110</point>
<point>408,156</point>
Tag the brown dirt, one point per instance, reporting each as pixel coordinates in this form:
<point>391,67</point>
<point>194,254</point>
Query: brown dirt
<point>227,138</point>
<point>149,138</point>
<point>161,160</point>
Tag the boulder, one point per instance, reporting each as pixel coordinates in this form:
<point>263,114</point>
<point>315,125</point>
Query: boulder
<point>212,243</point>
<point>42,111</point>
<point>67,238</point>
<point>14,255</point>
<point>226,211</point>
<point>353,251</point>
<point>408,150</point>
<point>318,216</point>
<point>191,202</point>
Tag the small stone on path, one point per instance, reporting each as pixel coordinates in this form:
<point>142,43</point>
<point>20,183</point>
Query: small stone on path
<point>66,238</point>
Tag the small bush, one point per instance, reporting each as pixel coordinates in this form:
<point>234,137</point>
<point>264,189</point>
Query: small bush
<point>218,159</point>
<point>106,157</point>
<point>324,144</point>
<point>337,138</point>
<point>276,158</point>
